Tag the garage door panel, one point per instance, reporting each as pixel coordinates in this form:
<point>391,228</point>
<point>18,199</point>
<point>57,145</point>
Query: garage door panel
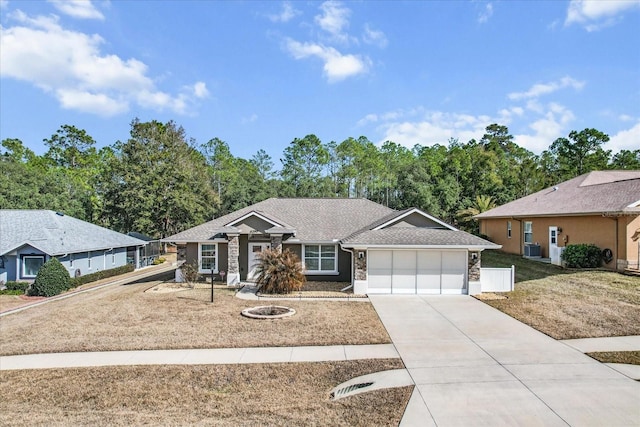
<point>428,272</point>
<point>404,272</point>
<point>380,265</point>
<point>454,266</point>
<point>422,271</point>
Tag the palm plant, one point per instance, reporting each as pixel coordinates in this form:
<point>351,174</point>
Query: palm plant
<point>481,204</point>
<point>279,272</point>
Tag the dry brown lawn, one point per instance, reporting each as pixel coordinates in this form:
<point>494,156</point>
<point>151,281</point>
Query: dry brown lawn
<point>222,395</point>
<point>629,357</point>
<point>567,304</point>
<point>127,318</point>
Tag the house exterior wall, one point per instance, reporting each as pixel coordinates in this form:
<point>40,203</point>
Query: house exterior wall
<point>597,230</point>
<point>8,273</point>
<point>100,260</point>
<point>344,265</point>
<point>632,241</point>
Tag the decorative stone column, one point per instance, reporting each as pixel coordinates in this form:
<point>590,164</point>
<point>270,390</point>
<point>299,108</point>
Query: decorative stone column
<point>474,273</point>
<point>276,242</point>
<point>360,281</point>
<point>233,275</point>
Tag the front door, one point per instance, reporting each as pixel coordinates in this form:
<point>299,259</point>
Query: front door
<point>255,249</point>
<point>554,252</point>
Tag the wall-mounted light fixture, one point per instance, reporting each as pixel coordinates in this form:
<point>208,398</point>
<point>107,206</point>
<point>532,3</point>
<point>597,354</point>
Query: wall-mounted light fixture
<point>360,254</point>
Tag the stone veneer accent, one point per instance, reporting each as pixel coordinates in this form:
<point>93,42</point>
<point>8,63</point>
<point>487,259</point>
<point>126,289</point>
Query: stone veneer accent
<point>474,267</point>
<point>276,243</point>
<point>360,265</point>
<point>234,256</point>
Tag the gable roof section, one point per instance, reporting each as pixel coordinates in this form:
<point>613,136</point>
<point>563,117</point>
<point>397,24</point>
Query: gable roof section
<point>418,237</point>
<point>313,219</point>
<point>391,219</point>
<point>56,234</point>
<point>594,193</point>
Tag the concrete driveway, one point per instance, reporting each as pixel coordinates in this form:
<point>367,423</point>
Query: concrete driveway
<point>474,365</point>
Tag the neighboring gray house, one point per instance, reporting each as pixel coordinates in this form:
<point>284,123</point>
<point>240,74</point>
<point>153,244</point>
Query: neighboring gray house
<point>28,238</point>
<point>375,248</point>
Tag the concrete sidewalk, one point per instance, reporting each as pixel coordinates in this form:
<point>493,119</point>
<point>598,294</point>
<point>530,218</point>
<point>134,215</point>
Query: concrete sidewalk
<point>225,356</point>
<point>473,365</point>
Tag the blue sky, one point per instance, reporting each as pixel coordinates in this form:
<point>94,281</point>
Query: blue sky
<point>259,74</point>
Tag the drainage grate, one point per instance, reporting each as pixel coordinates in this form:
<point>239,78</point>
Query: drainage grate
<point>375,381</point>
<point>347,390</point>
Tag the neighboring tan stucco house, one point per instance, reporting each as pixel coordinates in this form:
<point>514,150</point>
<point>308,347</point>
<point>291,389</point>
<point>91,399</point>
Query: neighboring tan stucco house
<point>375,248</point>
<point>602,208</point>
<point>29,238</point>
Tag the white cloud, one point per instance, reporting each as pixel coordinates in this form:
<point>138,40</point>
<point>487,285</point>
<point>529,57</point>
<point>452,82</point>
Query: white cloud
<point>433,127</point>
<point>419,126</point>
<point>486,14</point>
<point>597,14</point>
<point>252,118</point>
<point>287,13</point>
<point>336,65</point>
<point>70,66</point>
<point>625,139</point>
<point>334,20</point>
<point>553,125</point>
<point>540,89</point>
<point>375,37</point>
<point>200,90</point>
<point>82,9</point>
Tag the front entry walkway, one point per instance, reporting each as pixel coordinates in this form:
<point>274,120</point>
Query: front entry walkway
<point>473,365</point>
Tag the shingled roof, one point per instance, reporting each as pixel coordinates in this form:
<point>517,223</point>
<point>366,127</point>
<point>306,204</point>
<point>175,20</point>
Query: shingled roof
<point>348,221</point>
<point>594,193</point>
<point>313,219</point>
<point>56,234</point>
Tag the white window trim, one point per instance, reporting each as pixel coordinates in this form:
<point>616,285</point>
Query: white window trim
<point>508,229</point>
<point>89,260</point>
<point>524,231</point>
<point>200,270</point>
<point>113,257</point>
<point>24,257</point>
<point>320,272</point>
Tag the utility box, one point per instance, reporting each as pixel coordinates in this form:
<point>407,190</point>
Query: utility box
<point>532,251</point>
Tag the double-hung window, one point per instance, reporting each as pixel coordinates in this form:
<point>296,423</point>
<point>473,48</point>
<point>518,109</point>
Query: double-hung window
<point>320,258</point>
<point>528,232</point>
<point>208,257</point>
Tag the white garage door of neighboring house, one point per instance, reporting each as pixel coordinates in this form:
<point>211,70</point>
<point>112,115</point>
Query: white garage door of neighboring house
<point>422,272</point>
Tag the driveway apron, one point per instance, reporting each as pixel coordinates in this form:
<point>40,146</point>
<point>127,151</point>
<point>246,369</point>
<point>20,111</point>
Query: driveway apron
<point>474,365</point>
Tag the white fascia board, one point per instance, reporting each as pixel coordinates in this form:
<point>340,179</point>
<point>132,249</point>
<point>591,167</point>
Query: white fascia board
<point>252,213</point>
<point>440,247</point>
<point>634,204</point>
<point>418,211</point>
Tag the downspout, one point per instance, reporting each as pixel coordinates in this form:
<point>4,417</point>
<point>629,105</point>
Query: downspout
<point>615,257</point>
<point>520,233</point>
<point>353,268</point>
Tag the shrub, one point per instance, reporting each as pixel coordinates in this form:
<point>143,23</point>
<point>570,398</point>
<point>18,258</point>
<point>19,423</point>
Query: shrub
<point>582,256</point>
<point>52,279</point>
<point>158,261</point>
<point>190,272</point>
<point>279,272</point>
<point>17,286</point>
<point>99,275</point>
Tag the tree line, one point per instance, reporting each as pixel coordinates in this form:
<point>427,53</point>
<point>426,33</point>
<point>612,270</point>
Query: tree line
<point>159,181</point>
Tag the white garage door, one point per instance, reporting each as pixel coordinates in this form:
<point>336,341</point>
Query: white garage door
<point>421,272</point>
